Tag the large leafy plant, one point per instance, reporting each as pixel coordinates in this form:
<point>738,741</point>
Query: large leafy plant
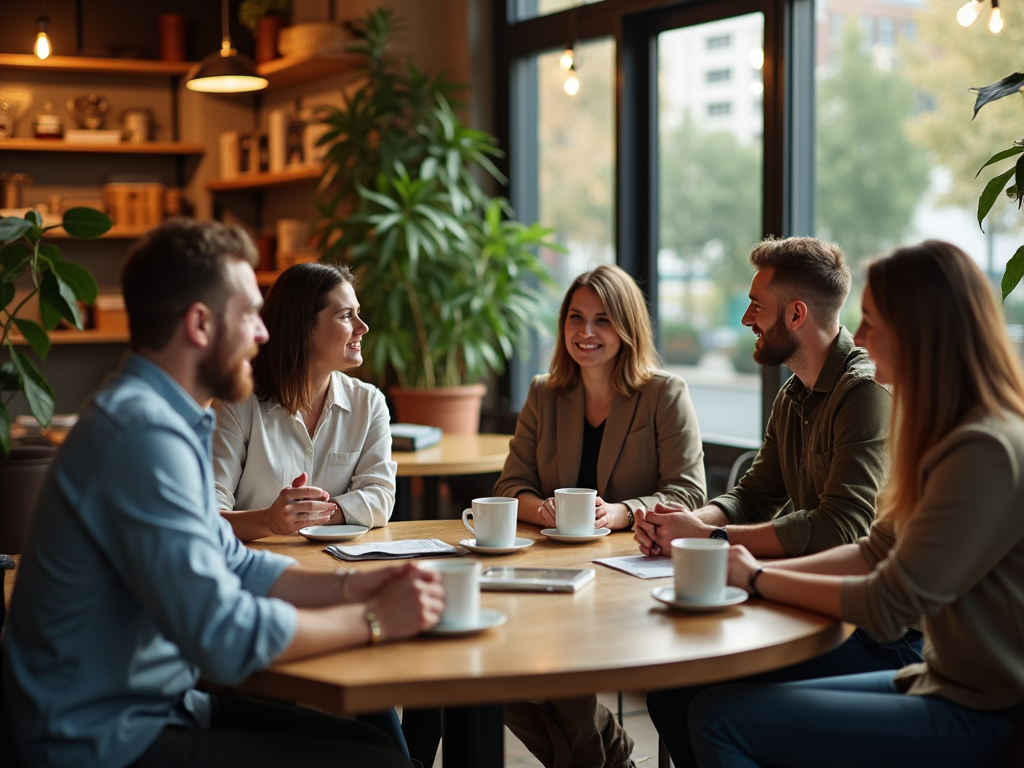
<point>59,285</point>
<point>1012,180</point>
<point>447,280</point>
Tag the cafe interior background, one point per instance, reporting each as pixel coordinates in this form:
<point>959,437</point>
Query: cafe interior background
<point>667,137</point>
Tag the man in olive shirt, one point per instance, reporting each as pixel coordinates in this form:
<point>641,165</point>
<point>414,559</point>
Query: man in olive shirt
<point>816,478</point>
<point>814,482</point>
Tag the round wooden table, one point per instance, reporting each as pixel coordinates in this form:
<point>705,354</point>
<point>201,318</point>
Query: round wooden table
<point>611,635</point>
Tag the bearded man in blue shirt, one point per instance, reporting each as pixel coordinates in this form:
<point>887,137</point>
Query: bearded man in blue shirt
<point>132,584</point>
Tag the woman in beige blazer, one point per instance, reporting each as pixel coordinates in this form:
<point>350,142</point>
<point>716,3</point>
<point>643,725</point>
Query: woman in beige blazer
<point>603,418</point>
<point>946,550</point>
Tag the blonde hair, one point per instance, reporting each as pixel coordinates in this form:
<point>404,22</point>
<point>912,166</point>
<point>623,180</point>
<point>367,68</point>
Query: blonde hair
<point>627,311</point>
<point>952,354</point>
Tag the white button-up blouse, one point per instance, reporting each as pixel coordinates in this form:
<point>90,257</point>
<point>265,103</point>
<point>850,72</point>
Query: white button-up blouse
<point>259,448</point>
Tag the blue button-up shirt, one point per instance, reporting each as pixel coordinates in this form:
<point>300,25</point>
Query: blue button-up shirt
<point>132,583</point>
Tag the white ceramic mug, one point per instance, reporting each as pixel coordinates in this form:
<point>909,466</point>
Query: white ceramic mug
<point>494,521</point>
<point>700,567</point>
<point>461,582</point>
<point>575,511</point>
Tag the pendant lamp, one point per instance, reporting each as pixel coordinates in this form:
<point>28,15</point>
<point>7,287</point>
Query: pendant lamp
<point>226,71</point>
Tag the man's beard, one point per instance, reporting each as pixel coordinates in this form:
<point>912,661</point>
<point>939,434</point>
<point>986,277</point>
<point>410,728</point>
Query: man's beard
<point>228,380</point>
<point>777,344</point>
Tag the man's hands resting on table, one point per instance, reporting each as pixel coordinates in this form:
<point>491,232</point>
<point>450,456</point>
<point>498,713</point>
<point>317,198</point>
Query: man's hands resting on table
<point>656,529</point>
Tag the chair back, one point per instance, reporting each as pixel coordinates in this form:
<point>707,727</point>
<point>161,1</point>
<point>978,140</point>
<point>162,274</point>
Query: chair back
<point>6,751</point>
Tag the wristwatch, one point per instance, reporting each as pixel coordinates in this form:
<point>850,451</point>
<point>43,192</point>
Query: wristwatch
<point>720,533</point>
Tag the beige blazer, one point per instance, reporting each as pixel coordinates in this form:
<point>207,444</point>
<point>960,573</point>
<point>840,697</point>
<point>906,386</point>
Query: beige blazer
<point>651,450</point>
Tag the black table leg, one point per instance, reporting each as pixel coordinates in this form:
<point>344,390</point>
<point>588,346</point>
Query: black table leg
<point>473,737</point>
<point>403,500</point>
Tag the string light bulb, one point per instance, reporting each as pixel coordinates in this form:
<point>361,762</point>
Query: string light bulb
<point>968,14</point>
<point>567,59</point>
<point>42,48</point>
<point>571,86</point>
<point>995,21</point>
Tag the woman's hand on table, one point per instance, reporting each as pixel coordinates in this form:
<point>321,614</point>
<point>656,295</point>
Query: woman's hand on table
<point>547,511</point>
<point>298,506</point>
<point>411,602</point>
<point>610,515</point>
<point>742,565</point>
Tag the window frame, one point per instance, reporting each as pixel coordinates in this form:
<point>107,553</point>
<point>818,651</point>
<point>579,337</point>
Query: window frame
<point>788,168</point>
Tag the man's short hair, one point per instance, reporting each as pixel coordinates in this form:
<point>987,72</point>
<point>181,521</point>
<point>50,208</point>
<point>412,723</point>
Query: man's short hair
<point>175,265</point>
<point>808,269</point>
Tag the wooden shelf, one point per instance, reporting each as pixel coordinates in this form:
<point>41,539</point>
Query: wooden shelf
<point>88,64</point>
<point>300,69</point>
<point>116,232</point>
<point>265,279</point>
<point>253,181</point>
<point>80,337</point>
<point>124,148</point>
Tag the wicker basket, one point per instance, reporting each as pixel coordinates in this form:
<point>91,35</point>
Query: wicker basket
<point>314,37</point>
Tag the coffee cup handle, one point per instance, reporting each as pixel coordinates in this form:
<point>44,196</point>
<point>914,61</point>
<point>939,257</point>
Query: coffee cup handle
<point>466,513</point>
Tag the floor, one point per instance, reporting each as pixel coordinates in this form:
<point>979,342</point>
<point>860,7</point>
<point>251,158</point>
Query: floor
<point>634,717</point>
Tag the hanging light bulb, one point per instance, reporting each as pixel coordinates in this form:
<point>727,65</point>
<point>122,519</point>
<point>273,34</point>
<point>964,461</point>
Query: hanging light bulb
<point>756,58</point>
<point>42,48</point>
<point>227,70</point>
<point>968,14</point>
<point>567,59</point>
<point>571,86</point>
<point>995,21</point>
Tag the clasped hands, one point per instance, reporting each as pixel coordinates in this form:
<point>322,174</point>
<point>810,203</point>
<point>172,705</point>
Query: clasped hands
<point>406,599</point>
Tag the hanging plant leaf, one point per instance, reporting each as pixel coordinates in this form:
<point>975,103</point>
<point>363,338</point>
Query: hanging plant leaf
<point>1013,273</point>
<point>86,223</point>
<point>35,335</point>
<point>992,190</point>
<point>37,390</point>
<point>994,91</point>
<point>999,156</point>
<point>11,228</point>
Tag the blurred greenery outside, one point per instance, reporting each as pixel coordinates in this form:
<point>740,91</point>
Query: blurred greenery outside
<point>885,123</point>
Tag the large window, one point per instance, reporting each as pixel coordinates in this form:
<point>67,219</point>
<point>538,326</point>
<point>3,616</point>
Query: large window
<point>710,132</point>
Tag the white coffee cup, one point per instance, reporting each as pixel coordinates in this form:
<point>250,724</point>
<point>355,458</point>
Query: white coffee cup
<point>575,511</point>
<point>461,582</point>
<point>494,521</point>
<point>700,567</point>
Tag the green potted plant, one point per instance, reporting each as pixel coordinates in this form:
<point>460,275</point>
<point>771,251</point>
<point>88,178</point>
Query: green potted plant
<point>59,285</point>
<point>448,280</point>
<point>264,19</point>
<point>1014,176</point>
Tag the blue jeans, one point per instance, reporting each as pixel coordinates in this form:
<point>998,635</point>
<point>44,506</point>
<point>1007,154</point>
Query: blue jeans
<point>860,653</point>
<point>842,722</point>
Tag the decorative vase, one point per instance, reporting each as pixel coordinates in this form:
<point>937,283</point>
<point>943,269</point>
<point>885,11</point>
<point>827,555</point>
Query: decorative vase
<point>456,410</point>
<point>266,37</point>
<point>173,37</point>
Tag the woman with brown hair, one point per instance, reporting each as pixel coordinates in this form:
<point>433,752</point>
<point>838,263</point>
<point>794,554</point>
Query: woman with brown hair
<point>604,418</point>
<point>311,445</point>
<point>947,550</point>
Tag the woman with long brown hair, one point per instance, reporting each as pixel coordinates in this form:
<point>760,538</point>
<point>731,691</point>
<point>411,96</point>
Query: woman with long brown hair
<point>947,550</point>
<point>603,418</point>
<point>311,445</point>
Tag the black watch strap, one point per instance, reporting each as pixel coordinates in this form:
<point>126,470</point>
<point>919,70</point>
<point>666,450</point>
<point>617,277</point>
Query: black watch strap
<point>720,533</point>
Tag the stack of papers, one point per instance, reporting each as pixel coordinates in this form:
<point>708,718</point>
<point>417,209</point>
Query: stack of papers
<point>640,566</point>
<point>393,550</point>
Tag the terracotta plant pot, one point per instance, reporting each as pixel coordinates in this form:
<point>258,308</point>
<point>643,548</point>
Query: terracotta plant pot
<point>456,410</point>
<point>266,37</point>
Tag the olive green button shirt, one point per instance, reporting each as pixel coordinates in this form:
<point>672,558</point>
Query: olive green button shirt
<point>957,565</point>
<point>824,458</point>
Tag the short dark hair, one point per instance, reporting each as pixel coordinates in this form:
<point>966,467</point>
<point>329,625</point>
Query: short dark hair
<point>175,265</point>
<point>283,370</point>
<point>808,269</point>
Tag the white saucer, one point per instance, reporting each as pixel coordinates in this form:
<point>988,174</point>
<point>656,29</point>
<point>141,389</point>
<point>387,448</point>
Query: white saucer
<point>667,595</point>
<point>518,544</point>
<point>489,618</point>
<point>575,538</point>
<point>333,532</point>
